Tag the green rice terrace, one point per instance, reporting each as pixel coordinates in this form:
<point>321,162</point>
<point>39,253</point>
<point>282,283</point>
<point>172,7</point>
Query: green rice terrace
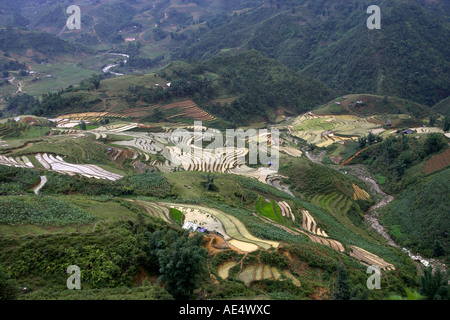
<point>131,198</point>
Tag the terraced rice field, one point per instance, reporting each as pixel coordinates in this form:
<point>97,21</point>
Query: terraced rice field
<point>438,162</point>
<point>324,130</point>
<point>68,131</point>
<point>19,162</point>
<point>291,151</point>
<point>156,210</point>
<point>91,116</point>
<point>360,254</point>
<point>116,128</point>
<point>9,128</point>
<point>369,258</point>
<point>310,224</point>
<point>360,193</point>
<point>233,227</point>
<point>182,151</point>
<point>333,202</point>
<point>260,272</point>
<point>286,210</point>
<point>188,109</point>
<point>203,219</point>
<point>270,209</point>
<point>57,164</point>
<point>224,269</point>
<point>145,144</point>
<point>66,123</point>
<point>334,244</point>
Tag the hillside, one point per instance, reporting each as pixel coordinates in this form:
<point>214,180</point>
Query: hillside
<point>443,107</point>
<point>414,169</point>
<point>198,150</point>
<point>418,219</point>
<point>107,176</point>
<point>364,105</point>
<point>330,41</point>
<point>241,89</point>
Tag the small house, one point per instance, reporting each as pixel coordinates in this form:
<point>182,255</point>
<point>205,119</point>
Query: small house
<point>408,131</point>
<point>190,226</point>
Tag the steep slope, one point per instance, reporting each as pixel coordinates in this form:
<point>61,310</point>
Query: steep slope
<point>262,86</point>
<point>330,41</point>
<point>257,88</point>
<point>406,58</point>
<point>443,107</point>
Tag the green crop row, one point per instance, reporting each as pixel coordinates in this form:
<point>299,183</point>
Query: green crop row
<point>42,211</point>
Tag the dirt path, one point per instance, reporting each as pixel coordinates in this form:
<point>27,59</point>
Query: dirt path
<point>346,162</point>
<point>19,85</point>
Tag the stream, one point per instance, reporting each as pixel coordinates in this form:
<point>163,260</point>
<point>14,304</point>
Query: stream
<point>371,216</point>
<point>40,185</point>
<point>109,66</point>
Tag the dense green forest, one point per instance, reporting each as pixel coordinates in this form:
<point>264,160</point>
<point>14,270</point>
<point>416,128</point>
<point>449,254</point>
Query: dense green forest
<point>395,155</point>
<point>418,218</point>
<point>17,40</point>
<point>330,41</point>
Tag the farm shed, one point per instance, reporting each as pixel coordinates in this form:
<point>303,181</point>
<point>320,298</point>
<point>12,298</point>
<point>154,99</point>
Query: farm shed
<point>190,226</point>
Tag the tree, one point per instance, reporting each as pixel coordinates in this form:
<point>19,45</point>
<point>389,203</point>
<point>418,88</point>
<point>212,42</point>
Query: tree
<point>433,143</point>
<point>8,287</point>
<point>432,120</point>
<point>362,142</point>
<point>438,249</point>
<point>95,79</point>
<point>209,184</point>
<point>434,287</point>
<point>182,265</point>
<point>156,242</point>
<point>157,115</point>
<point>446,124</point>
<point>342,291</point>
<point>83,125</point>
<point>371,138</point>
